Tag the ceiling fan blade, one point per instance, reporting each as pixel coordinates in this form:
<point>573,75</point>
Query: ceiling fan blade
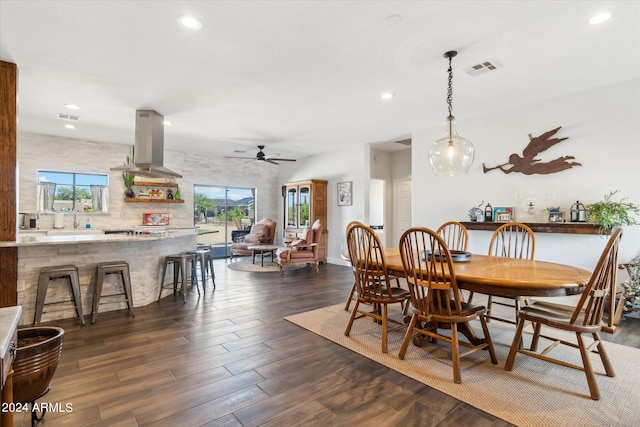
<point>270,161</point>
<point>285,160</point>
<point>236,157</point>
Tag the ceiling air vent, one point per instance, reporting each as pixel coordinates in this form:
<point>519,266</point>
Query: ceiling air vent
<point>483,67</point>
<point>68,117</point>
<point>404,141</point>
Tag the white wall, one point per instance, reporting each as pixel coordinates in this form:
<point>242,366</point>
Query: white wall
<point>44,152</point>
<point>347,165</point>
<point>602,125</point>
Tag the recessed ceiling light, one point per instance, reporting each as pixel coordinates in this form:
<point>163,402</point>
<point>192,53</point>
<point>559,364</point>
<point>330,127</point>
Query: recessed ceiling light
<point>167,123</point>
<point>72,106</point>
<point>190,22</point>
<point>387,95</point>
<point>599,18</point>
<point>70,126</point>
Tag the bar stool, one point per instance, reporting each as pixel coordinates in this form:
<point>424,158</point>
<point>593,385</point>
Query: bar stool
<point>203,256</point>
<point>180,263</point>
<point>51,273</point>
<point>120,268</point>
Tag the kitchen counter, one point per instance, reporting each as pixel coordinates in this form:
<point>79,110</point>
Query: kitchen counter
<point>38,237</point>
<point>143,252</point>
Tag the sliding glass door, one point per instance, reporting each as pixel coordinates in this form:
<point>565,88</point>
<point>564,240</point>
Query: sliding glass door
<point>222,214</point>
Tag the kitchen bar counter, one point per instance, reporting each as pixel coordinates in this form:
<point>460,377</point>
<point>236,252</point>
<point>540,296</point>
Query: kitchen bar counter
<point>144,253</point>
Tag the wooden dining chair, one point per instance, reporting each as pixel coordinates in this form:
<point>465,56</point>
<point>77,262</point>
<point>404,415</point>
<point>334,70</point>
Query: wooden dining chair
<point>455,235</point>
<point>435,297</point>
<point>510,240</point>
<point>586,318</point>
<point>374,291</point>
<point>352,292</point>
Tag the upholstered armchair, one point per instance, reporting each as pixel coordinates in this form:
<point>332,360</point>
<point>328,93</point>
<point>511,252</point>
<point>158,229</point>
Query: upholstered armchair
<point>304,249</point>
<point>262,232</point>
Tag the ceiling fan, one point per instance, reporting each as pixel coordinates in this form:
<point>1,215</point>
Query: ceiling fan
<point>261,157</point>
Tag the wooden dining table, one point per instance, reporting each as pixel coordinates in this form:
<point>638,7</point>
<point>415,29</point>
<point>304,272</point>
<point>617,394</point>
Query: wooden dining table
<point>508,277</point>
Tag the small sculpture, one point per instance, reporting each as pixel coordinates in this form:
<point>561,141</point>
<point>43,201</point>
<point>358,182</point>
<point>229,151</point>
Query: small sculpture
<point>528,164</point>
<point>169,194</point>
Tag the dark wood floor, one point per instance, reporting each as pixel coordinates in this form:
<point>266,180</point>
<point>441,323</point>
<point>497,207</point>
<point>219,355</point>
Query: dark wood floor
<point>229,358</point>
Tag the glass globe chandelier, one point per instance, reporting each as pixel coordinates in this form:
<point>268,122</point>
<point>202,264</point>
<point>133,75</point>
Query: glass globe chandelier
<point>451,155</point>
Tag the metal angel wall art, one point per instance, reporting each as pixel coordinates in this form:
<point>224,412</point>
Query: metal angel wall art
<point>528,164</point>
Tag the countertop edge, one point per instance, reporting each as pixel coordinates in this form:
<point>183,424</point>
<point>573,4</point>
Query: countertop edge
<point>9,318</point>
<point>94,238</point>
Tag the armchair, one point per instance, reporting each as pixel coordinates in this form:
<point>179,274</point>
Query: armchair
<point>262,233</point>
<point>303,250</point>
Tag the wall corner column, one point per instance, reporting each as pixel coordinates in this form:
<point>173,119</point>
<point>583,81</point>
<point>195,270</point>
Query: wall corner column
<point>8,181</point>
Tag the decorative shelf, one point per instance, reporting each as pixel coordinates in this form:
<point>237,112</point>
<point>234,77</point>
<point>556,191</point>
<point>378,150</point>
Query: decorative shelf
<point>154,184</point>
<point>150,200</point>
<point>543,227</point>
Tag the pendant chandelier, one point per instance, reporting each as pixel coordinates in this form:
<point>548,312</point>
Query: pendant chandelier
<point>451,155</point>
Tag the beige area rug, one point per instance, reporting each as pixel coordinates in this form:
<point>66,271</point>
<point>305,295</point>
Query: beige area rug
<point>535,393</point>
<point>269,267</point>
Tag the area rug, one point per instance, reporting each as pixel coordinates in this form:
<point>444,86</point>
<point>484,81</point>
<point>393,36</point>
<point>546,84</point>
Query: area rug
<point>535,393</point>
<point>269,267</point>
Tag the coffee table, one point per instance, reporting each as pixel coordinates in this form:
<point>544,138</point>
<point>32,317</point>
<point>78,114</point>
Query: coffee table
<point>263,250</point>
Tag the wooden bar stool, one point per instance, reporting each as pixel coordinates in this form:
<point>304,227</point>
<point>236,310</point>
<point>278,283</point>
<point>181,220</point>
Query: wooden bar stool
<point>47,274</point>
<point>120,268</point>
<point>180,263</point>
<point>203,256</point>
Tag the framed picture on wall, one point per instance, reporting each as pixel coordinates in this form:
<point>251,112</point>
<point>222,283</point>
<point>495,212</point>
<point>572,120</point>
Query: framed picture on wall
<point>344,193</point>
<point>556,216</point>
<point>503,214</point>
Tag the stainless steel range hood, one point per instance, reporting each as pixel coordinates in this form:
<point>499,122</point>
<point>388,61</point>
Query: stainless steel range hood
<point>149,148</point>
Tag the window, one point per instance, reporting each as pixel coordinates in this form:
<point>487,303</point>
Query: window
<point>69,191</point>
<point>222,214</point>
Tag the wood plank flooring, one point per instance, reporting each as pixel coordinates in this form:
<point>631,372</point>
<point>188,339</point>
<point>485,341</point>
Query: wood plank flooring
<point>228,358</point>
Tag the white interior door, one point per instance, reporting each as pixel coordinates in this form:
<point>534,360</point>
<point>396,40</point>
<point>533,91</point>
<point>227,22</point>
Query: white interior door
<point>402,207</point>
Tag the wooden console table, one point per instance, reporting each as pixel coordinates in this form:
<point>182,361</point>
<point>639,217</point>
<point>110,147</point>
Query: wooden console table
<point>543,227</point>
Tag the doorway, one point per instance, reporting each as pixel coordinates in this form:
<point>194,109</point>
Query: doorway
<point>222,215</point>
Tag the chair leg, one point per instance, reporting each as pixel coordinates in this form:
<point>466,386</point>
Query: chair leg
<point>385,327</point>
<point>162,279</point>
<point>75,290</point>
<point>183,270</point>
<point>455,353</point>
<point>588,369</point>
<point>536,337</point>
<point>126,283</point>
<point>487,338</point>
<point>407,336</point>
<point>470,298</point>
<point>351,319</point>
<point>608,367</point>
<point>517,338</point>
<point>97,293</point>
<point>353,289</point>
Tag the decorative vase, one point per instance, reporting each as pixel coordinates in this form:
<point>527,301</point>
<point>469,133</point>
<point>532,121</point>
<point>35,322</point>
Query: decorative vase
<point>129,193</point>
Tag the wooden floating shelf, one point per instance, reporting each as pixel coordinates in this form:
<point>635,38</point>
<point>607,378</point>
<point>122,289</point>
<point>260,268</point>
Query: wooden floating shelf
<point>543,227</point>
<point>149,200</point>
<point>154,184</point>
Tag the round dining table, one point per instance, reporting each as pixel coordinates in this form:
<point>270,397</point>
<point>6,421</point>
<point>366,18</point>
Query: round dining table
<point>508,277</point>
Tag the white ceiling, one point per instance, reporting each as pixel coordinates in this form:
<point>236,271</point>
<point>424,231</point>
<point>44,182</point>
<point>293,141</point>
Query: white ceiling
<point>301,77</point>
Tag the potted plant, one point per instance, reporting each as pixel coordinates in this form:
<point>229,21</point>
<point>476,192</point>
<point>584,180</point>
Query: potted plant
<point>128,179</point>
<point>609,214</point>
<point>632,285</point>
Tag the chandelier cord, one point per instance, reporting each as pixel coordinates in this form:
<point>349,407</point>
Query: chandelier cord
<point>450,88</point>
